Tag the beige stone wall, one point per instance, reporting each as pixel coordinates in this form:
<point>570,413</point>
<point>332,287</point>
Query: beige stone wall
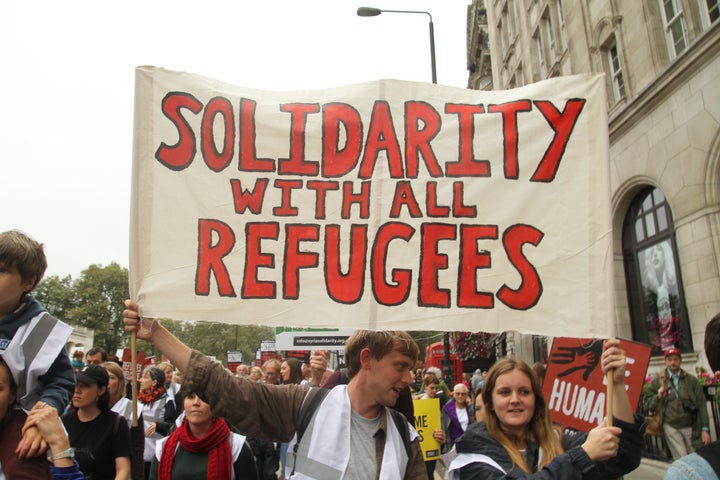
<point>664,133</point>
<point>671,142</point>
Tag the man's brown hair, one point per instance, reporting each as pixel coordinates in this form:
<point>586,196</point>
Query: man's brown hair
<point>380,343</point>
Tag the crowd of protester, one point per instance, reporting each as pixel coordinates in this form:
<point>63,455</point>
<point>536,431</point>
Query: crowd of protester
<point>70,416</point>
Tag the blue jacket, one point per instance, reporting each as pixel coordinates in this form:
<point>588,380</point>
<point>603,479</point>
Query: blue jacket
<point>57,384</point>
<point>66,473</point>
<point>574,464</point>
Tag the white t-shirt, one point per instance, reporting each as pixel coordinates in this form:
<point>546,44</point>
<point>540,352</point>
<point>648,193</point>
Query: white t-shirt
<point>462,415</point>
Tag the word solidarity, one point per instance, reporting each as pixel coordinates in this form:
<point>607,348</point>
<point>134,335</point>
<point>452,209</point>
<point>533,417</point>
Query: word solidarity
<point>345,147</point>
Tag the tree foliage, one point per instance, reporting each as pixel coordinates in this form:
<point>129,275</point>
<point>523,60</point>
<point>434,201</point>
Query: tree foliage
<point>216,339</point>
<point>99,294</point>
<point>96,300</point>
<point>56,295</point>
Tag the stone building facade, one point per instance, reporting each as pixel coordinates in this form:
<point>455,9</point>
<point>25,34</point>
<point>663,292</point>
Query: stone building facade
<point>661,59</point>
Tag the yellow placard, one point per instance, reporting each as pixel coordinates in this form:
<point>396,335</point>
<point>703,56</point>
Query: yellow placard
<point>427,420</point>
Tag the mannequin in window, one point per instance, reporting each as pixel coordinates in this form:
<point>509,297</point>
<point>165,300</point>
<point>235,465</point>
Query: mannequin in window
<point>660,280</point>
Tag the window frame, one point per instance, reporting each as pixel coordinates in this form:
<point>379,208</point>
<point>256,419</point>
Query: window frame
<point>649,214</point>
<point>546,27</point>
<point>540,54</point>
<point>560,18</point>
<point>678,19</point>
<point>706,12</point>
<point>615,70</point>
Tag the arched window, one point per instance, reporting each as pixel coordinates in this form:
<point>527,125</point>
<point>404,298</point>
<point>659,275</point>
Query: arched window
<point>654,284</point>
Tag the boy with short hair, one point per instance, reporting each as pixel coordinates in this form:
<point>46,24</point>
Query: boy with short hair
<point>32,342</point>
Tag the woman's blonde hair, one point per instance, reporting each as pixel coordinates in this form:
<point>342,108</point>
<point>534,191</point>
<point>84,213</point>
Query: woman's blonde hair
<point>540,430</point>
<point>116,370</point>
<point>259,370</point>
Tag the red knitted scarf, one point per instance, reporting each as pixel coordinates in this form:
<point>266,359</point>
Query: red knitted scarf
<point>215,443</point>
<point>149,396</point>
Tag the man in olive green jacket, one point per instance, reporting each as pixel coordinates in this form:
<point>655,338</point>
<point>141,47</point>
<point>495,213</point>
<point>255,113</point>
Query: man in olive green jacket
<point>676,393</point>
<point>352,421</point>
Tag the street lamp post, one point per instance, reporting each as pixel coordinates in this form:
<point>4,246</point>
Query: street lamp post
<point>374,12</point>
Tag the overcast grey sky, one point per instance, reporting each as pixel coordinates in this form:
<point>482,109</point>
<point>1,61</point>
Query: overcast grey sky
<point>68,79</point>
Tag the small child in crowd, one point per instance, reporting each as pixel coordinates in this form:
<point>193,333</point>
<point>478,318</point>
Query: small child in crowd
<point>32,342</point>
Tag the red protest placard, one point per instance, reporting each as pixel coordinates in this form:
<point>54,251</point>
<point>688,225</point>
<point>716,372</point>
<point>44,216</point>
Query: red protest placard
<point>575,387</point>
<point>126,358</point>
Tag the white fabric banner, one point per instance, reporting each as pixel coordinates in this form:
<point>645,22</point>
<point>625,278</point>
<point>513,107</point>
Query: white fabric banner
<point>383,205</point>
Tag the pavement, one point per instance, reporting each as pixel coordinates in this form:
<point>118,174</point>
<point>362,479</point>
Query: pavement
<point>648,470</point>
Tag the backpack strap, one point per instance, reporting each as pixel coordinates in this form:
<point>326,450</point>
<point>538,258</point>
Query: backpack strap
<point>312,401</point>
<point>403,427</point>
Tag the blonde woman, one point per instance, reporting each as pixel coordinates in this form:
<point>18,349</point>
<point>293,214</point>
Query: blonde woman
<point>517,438</point>
<point>119,403</point>
<point>256,374</point>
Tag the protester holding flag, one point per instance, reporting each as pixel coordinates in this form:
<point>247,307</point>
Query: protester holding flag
<point>352,433</point>
<point>518,428</point>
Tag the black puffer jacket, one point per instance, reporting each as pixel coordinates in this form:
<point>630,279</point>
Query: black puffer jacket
<point>574,464</point>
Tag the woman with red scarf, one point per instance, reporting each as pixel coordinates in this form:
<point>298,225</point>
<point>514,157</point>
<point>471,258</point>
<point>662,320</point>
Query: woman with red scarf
<point>156,411</point>
<point>202,447</point>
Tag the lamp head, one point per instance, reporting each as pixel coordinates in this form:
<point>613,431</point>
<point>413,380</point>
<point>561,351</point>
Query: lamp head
<point>368,12</point>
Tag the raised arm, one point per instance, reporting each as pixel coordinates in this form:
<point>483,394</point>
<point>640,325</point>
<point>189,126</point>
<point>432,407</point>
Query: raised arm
<point>150,329</point>
<point>614,358</point>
